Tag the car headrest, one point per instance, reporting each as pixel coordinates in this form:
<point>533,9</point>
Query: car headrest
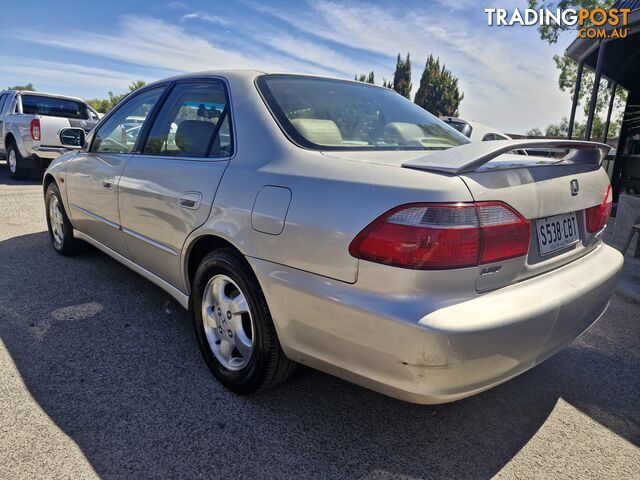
<point>404,131</point>
<point>193,137</point>
<point>320,132</point>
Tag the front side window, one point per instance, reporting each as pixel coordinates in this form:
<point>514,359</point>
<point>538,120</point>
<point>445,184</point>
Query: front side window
<point>193,122</point>
<point>3,98</point>
<point>325,114</point>
<point>53,107</point>
<point>119,133</point>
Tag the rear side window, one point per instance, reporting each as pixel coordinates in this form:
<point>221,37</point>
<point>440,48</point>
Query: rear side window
<point>3,99</point>
<point>54,107</point>
<point>193,122</point>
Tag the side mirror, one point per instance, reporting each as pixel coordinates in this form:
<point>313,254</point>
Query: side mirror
<point>72,137</point>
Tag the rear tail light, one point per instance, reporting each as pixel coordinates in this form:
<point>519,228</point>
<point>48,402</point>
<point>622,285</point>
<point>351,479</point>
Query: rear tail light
<point>597,216</point>
<point>428,236</point>
<point>34,128</point>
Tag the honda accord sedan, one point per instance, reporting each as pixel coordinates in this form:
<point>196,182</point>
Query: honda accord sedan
<point>336,224</point>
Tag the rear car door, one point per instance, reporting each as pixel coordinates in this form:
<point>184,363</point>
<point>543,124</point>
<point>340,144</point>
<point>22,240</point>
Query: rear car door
<point>167,191</point>
<point>92,177</point>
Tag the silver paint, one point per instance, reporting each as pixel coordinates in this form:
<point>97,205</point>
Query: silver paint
<point>423,336</point>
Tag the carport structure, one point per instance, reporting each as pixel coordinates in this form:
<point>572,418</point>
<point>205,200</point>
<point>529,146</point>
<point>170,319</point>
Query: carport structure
<point>618,61</point>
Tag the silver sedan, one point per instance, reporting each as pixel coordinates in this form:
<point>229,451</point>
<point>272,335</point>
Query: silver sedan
<point>336,224</point>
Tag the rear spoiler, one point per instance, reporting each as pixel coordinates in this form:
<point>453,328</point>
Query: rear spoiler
<point>469,157</point>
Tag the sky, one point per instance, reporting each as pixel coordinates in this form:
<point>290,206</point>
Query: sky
<point>507,74</point>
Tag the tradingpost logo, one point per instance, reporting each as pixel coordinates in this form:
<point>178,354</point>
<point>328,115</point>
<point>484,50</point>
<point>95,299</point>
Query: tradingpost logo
<point>590,22</point>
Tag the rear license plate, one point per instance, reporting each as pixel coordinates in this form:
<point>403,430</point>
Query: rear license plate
<point>557,232</point>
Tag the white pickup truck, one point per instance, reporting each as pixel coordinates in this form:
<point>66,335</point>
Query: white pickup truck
<point>30,124</point>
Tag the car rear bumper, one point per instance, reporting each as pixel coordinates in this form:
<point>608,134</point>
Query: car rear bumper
<point>455,349</point>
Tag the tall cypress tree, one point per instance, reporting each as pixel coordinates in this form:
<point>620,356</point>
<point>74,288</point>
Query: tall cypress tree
<point>363,77</point>
<point>402,77</point>
<point>438,93</point>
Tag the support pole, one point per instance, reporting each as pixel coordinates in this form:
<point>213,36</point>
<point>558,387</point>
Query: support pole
<point>614,88</point>
<point>576,97</point>
<point>594,92</point>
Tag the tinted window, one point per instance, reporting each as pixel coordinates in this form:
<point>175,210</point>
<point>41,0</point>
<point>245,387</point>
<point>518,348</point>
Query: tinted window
<point>329,114</point>
<point>193,122</point>
<point>3,98</point>
<point>119,133</point>
<point>54,107</point>
<point>461,126</point>
<point>493,136</point>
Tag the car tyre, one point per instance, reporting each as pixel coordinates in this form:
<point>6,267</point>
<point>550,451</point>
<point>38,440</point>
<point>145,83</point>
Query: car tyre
<point>231,318</point>
<point>60,228</point>
<point>15,163</point>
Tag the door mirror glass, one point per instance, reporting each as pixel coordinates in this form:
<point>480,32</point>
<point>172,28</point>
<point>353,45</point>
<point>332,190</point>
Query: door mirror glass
<point>72,137</point>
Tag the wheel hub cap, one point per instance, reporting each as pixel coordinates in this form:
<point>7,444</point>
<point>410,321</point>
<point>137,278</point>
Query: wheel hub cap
<point>12,161</point>
<point>228,323</point>
<point>56,221</point>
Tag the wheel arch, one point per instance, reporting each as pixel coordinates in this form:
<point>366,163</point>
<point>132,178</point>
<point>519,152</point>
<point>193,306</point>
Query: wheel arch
<point>48,180</point>
<point>8,138</point>
<point>199,248</point>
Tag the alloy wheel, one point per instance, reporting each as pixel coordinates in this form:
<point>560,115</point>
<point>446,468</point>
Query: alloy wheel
<point>13,162</point>
<point>56,220</point>
<point>228,323</point>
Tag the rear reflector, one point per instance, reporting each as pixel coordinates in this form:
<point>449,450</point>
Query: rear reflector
<point>429,236</point>
<point>34,129</point>
<point>597,216</point>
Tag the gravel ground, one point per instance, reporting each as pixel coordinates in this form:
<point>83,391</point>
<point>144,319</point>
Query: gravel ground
<point>100,376</point>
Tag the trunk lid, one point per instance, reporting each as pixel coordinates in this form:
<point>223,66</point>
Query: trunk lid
<point>539,188</point>
<point>536,187</point>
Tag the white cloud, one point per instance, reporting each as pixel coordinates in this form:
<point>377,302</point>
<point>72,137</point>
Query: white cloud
<point>61,73</point>
<point>174,48</point>
<point>507,75</point>
<point>215,19</point>
<point>509,79</point>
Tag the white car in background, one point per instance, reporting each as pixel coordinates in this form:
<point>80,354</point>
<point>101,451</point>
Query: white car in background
<point>30,124</point>
<point>475,131</point>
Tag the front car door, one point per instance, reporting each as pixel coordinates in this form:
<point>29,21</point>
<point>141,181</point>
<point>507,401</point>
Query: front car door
<point>167,191</point>
<point>92,177</point>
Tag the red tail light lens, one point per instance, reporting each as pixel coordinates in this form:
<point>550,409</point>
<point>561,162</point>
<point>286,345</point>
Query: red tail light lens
<point>34,128</point>
<point>597,216</point>
<point>428,236</point>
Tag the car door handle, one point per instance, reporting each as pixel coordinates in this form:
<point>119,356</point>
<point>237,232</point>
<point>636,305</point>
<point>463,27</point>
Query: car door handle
<point>108,183</point>
<point>190,200</point>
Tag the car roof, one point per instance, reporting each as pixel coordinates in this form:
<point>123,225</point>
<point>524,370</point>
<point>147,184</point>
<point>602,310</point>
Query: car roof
<point>250,74</point>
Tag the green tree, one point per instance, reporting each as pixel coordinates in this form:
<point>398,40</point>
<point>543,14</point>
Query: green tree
<point>402,77</point>
<point>387,84</point>
<point>103,105</point>
<point>363,77</point>
<point>29,87</point>
<point>438,93</point>
<point>561,129</point>
<point>568,68</point>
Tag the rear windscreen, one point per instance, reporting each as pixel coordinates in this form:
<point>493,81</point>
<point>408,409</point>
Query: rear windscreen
<point>327,114</point>
<point>54,107</point>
